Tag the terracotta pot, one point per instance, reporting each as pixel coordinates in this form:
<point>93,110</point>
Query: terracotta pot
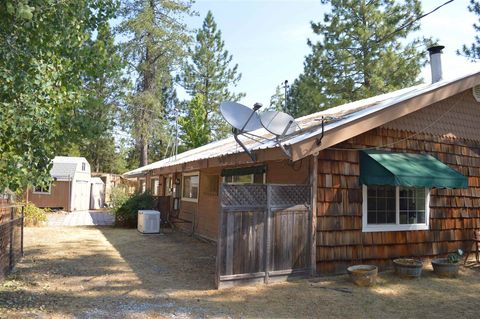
<point>363,275</point>
<point>408,267</point>
<point>443,268</point>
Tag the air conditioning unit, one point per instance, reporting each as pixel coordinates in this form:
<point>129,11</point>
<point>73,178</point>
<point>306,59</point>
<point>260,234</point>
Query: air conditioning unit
<point>148,221</point>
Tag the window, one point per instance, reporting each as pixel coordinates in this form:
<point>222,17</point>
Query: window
<point>42,190</point>
<point>244,179</point>
<point>390,208</point>
<point>210,184</point>
<point>154,186</point>
<point>190,182</point>
<point>83,167</point>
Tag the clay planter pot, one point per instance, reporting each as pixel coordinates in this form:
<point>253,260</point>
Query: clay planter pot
<point>363,275</point>
<point>442,268</point>
<point>408,267</point>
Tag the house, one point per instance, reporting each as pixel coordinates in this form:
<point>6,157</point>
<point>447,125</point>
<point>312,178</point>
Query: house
<point>70,189</point>
<point>395,175</point>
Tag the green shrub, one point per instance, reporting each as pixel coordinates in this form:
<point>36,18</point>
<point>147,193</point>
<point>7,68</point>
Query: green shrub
<point>118,197</point>
<point>34,216</point>
<point>126,215</point>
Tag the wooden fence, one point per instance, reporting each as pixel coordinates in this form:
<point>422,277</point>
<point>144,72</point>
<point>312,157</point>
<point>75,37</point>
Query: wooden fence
<point>264,233</point>
<point>11,238</point>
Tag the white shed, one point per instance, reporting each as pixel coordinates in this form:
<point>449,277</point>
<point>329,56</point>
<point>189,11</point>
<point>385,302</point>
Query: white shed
<point>70,189</point>
<point>97,194</point>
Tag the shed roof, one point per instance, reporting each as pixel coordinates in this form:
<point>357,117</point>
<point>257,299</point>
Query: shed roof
<point>371,112</point>
<point>64,167</point>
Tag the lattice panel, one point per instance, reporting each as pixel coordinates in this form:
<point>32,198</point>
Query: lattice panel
<point>289,195</point>
<point>244,195</point>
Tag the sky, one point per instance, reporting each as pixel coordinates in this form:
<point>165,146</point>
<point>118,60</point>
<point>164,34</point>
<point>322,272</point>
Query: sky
<point>268,39</point>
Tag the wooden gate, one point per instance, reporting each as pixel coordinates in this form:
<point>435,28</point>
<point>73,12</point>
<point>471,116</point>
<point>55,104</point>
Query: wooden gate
<point>264,233</point>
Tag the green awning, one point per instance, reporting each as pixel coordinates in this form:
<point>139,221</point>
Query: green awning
<point>259,169</point>
<point>406,169</point>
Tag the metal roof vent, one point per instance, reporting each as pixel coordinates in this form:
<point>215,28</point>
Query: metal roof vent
<point>476,92</point>
<point>436,62</point>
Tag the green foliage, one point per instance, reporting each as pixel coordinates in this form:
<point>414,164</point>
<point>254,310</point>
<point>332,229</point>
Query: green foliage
<point>126,215</point>
<point>34,216</point>
<point>209,73</point>
<point>47,53</point>
<point>119,196</point>
<point>362,52</point>
<point>277,101</point>
<point>105,87</point>
<point>196,131</point>
<point>156,42</point>
<point>454,257</point>
<point>473,51</point>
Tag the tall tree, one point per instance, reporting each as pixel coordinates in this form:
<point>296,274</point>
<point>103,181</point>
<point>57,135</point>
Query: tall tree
<point>473,50</point>
<point>210,72</point>
<point>45,57</point>
<point>156,42</point>
<point>105,85</point>
<point>362,52</point>
<point>196,131</point>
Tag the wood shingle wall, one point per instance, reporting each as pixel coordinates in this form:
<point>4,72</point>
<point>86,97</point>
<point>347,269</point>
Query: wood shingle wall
<point>454,213</point>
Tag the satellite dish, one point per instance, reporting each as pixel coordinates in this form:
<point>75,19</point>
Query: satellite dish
<point>240,117</point>
<point>278,123</point>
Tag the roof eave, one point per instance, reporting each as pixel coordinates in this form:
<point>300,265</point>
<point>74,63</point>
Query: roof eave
<point>340,133</point>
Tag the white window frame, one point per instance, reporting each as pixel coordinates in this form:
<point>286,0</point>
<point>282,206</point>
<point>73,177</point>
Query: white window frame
<point>49,192</point>
<point>397,226</point>
<point>240,183</point>
<point>186,199</point>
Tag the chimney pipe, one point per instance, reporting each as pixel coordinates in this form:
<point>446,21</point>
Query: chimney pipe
<point>436,62</point>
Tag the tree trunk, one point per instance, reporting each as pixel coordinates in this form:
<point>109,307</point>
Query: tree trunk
<point>143,149</point>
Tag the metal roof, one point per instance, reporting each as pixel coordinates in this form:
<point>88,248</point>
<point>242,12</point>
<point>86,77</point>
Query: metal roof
<point>310,126</point>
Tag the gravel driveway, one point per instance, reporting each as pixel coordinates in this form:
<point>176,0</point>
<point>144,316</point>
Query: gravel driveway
<point>103,272</point>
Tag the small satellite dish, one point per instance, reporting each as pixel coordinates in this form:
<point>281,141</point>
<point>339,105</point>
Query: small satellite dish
<point>278,123</point>
<point>240,117</point>
<point>243,120</point>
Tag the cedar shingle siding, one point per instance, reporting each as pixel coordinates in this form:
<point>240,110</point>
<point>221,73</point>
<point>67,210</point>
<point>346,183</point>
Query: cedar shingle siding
<point>454,213</point>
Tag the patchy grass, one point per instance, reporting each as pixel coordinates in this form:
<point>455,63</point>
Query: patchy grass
<point>88,272</point>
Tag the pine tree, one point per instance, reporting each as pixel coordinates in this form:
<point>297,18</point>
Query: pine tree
<point>362,52</point>
<point>277,100</point>
<point>209,73</point>
<point>196,132</point>
<point>157,42</point>
<point>105,85</point>
<point>473,51</point>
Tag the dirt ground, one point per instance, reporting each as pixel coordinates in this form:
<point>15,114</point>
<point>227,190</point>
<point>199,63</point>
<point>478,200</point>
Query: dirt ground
<point>103,272</point>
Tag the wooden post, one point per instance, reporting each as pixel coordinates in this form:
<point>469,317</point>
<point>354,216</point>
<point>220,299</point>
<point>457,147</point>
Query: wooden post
<point>313,207</point>
<point>268,234</point>
<point>11,253</point>
<point>21,235</point>
<point>219,238</point>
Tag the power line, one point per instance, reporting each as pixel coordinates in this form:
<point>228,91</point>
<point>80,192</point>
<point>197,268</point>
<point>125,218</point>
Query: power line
<point>413,21</point>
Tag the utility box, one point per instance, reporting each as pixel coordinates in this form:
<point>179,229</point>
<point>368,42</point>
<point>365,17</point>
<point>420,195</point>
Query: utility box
<point>148,221</point>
